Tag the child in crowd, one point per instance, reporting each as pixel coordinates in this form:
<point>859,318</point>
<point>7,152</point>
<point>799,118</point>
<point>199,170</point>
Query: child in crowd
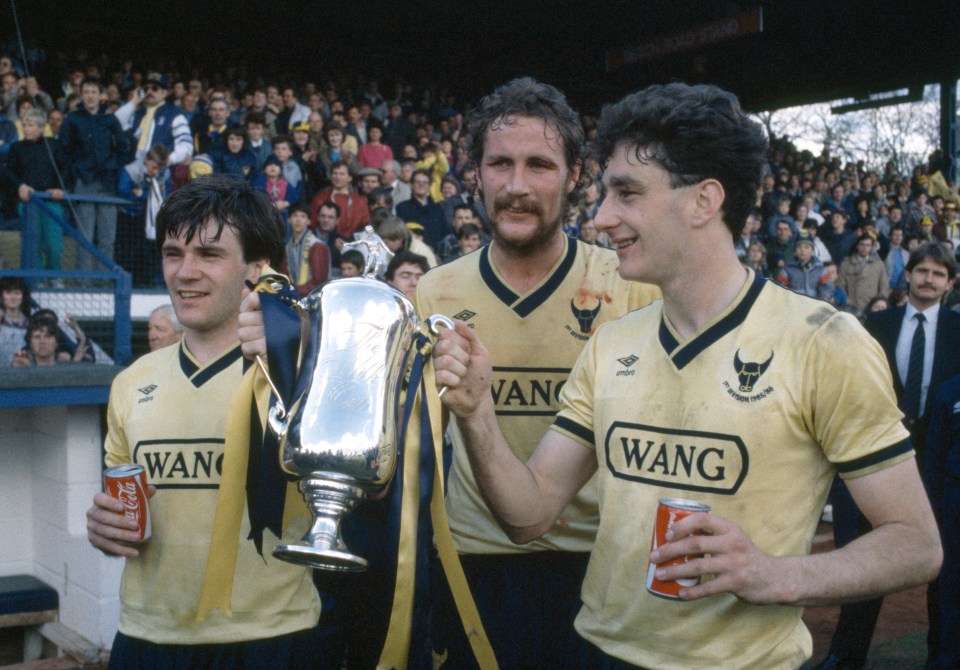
<point>351,263</point>
<point>804,273</point>
<point>756,259</point>
<point>148,182</point>
<point>307,259</point>
<point>274,185</point>
<point>290,167</point>
<point>232,156</point>
<point>260,147</point>
<point>469,238</point>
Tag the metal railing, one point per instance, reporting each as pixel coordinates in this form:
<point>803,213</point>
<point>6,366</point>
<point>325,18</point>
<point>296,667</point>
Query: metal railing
<point>100,298</point>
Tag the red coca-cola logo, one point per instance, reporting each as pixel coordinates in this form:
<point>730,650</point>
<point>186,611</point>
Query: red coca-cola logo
<point>128,496</point>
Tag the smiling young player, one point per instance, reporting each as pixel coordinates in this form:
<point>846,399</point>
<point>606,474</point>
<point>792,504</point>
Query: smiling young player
<point>168,413</point>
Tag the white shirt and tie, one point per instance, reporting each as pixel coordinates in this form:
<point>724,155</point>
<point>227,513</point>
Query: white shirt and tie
<point>907,331</point>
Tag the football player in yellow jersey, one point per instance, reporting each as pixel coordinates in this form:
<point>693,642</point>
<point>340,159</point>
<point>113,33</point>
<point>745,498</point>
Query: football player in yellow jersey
<point>535,296</point>
<point>717,409</point>
<point>168,412</point>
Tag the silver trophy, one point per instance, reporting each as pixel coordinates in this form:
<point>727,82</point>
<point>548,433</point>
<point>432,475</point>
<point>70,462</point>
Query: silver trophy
<point>340,434</point>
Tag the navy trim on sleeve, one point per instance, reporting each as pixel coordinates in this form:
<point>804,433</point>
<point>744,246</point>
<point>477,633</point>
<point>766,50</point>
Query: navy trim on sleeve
<point>571,427</point>
<point>876,457</point>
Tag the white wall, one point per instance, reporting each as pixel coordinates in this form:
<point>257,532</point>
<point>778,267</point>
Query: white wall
<point>50,468</point>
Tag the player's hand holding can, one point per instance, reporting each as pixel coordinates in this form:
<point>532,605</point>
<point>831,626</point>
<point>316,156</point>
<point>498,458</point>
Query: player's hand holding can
<point>669,512</point>
<point>120,516</point>
<point>705,544</point>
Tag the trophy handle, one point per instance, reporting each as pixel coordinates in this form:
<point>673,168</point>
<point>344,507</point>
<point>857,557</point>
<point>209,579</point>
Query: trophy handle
<point>433,325</point>
<point>277,418</point>
<point>434,322</point>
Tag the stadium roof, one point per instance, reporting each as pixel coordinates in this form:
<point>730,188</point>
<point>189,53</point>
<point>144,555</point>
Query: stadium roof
<point>773,54</point>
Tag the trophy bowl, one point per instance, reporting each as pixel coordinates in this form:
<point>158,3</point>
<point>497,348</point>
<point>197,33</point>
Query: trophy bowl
<point>340,433</point>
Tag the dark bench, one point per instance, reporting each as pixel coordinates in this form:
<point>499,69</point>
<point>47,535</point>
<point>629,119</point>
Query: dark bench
<point>27,602</point>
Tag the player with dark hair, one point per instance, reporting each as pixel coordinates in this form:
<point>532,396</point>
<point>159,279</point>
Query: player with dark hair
<point>168,412</point>
<point>535,296</point>
<point>698,397</point>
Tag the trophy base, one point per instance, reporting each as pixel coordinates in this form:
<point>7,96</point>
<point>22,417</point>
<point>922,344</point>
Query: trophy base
<point>320,559</point>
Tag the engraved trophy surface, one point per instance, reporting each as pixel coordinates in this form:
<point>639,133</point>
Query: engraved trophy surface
<point>340,433</point>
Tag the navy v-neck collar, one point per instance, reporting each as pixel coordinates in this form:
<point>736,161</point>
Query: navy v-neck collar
<point>199,376</point>
<point>524,306</point>
<point>683,355</point>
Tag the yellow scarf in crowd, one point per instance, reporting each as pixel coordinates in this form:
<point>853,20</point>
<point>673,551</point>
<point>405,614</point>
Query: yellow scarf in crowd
<point>298,257</point>
<point>143,144</point>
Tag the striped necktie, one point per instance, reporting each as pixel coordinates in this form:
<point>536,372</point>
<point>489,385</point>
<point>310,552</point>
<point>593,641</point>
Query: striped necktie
<point>911,390</point>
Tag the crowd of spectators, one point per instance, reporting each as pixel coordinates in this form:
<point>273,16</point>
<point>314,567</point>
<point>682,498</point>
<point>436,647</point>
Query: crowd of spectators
<point>33,337</point>
<point>843,232</point>
<point>337,155</point>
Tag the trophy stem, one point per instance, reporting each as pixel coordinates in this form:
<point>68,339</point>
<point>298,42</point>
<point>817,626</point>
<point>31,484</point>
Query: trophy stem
<point>329,495</point>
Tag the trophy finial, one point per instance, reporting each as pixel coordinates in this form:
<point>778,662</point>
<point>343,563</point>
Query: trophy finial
<point>375,253</point>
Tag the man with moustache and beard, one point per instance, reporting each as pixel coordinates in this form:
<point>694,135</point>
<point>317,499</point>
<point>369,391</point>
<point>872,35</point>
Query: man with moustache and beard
<point>534,296</point>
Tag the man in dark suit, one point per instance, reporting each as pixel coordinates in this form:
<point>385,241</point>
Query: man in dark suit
<point>922,344</point>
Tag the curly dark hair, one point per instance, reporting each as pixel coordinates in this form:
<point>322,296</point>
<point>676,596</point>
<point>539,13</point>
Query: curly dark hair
<point>694,133</point>
<point>527,97</point>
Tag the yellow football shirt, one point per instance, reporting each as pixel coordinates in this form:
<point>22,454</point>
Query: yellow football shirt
<point>533,340</point>
<point>752,416</point>
<point>169,414</point>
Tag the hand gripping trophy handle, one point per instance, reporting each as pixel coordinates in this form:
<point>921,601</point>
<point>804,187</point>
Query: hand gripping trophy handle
<point>339,433</point>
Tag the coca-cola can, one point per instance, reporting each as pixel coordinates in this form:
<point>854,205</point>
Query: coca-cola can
<point>669,511</point>
<point>128,484</point>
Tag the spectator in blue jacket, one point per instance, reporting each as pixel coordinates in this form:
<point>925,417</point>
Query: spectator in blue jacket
<point>233,156</point>
<point>96,147</point>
